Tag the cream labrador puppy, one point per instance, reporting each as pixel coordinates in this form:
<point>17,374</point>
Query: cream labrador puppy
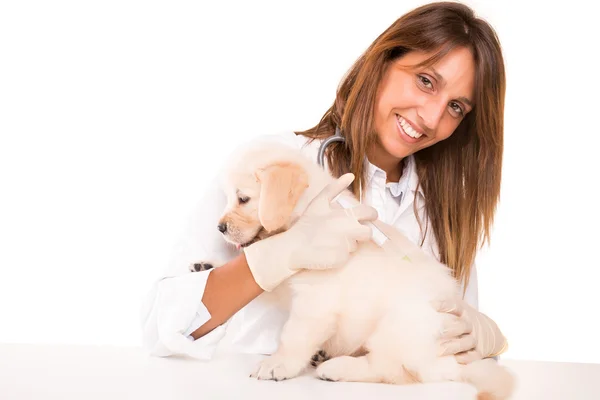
<point>374,317</point>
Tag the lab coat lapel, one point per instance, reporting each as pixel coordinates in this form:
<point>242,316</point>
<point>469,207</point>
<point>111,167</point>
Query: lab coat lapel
<point>410,194</point>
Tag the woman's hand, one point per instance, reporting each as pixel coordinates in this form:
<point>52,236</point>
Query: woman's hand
<point>322,238</point>
<point>456,337</point>
<point>469,335</point>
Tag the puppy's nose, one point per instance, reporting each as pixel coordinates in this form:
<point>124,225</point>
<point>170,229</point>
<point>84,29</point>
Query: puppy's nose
<point>222,227</point>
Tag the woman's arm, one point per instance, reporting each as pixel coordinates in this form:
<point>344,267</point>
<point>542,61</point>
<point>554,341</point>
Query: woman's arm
<point>228,289</point>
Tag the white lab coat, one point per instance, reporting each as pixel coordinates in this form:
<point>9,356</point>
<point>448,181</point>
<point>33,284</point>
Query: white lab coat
<point>173,308</point>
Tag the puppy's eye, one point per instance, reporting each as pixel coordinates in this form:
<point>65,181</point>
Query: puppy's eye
<point>243,199</point>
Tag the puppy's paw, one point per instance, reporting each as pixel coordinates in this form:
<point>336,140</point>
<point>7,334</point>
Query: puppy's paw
<point>278,368</point>
<point>201,266</point>
<point>319,358</point>
<point>335,369</point>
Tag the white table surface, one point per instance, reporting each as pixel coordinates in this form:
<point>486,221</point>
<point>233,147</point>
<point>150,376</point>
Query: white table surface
<point>87,372</point>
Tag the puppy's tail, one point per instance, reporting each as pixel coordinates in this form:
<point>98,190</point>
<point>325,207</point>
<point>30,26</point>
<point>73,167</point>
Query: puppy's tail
<point>492,381</point>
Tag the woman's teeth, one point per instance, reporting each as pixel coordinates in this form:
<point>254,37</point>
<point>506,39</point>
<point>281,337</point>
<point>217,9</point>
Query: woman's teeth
<point>408,129</point>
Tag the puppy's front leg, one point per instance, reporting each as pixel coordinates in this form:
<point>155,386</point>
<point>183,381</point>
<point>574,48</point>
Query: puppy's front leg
<point>202,266</point>
<point>302,336</point>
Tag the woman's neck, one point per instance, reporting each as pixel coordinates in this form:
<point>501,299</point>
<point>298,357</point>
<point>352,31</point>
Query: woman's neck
<point>391,165</point>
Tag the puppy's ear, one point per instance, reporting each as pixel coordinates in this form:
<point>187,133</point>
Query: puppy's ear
<point>281,185</point>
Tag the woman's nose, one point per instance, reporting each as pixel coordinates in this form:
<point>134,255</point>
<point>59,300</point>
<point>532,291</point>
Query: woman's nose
<point>431,113</point>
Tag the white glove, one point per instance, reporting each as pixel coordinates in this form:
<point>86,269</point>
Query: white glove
<point>322,238</point>
<point>471,335</point>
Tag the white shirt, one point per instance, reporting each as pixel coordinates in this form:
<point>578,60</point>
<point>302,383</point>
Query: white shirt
<point>173,308</point>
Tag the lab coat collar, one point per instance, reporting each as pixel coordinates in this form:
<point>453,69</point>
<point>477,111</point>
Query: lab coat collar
<point>409,178</point>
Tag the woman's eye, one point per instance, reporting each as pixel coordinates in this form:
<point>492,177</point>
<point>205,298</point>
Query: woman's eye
<point>243,199</point>
<point>425,82</point>
<point>457,108</point>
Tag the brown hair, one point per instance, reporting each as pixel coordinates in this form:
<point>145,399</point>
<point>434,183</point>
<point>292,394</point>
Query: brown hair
<point>460,176</point>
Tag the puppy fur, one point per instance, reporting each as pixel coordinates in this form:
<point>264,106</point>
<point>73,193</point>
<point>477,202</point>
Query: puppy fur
<point>372,320</point>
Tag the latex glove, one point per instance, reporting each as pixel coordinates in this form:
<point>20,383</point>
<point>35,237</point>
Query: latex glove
<point>323,237</point>
<point>471,335</point>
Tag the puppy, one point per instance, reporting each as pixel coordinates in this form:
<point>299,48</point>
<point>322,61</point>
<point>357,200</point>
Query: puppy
<point>372,320</point>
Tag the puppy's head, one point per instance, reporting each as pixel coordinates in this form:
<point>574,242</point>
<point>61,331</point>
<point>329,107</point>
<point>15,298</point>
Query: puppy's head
<point>261,201</point>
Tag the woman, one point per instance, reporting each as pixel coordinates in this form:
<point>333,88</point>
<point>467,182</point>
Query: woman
<point>422,113</point>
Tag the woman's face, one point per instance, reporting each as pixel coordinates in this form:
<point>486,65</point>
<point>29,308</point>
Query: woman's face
<point>418,107</point>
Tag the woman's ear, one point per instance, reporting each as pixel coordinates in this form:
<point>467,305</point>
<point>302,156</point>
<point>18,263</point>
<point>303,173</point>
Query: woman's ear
<point>281,185</point>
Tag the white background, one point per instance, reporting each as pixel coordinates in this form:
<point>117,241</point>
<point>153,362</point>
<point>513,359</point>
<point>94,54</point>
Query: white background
<point>114,114</point>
